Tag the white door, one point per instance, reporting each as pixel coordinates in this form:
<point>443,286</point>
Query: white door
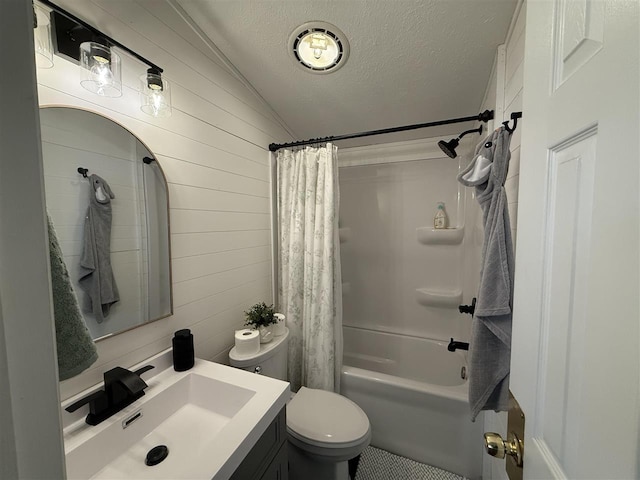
<point>575,362</point>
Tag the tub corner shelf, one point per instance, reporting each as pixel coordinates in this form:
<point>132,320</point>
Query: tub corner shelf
<point>438,298</point>
<point>440,236</point>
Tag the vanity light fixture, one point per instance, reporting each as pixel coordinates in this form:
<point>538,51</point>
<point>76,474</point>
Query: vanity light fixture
<point>100,71</point>
<point>319,47</point>
<point>79,42</point>
<point>42,37</point>
<point>155,94</point>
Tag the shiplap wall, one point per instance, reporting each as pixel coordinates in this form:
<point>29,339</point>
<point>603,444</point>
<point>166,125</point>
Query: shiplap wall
<point>213,152</point>
<point>504,93</point>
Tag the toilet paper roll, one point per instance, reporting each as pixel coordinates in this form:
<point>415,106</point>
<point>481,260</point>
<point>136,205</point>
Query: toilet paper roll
<point>279,326</point>
<point>247,341</point>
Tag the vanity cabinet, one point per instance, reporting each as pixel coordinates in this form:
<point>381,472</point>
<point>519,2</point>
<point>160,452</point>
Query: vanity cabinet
<point>268,458</point>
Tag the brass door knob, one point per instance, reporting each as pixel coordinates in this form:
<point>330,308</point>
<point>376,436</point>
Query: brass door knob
<point>497,447</point>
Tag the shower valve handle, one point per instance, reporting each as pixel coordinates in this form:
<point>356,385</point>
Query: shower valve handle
<point>470,309</point>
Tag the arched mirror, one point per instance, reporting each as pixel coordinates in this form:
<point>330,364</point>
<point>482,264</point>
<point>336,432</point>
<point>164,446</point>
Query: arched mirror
<point>107,198</point>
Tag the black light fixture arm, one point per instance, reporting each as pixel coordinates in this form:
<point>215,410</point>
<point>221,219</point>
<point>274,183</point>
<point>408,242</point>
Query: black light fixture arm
<point>94,30</point>
<point>481,117</point>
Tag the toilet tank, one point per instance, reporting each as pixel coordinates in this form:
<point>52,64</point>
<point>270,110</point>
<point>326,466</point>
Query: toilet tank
<point>271,360</point>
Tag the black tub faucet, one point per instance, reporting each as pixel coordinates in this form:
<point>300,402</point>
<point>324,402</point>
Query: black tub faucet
<point>453,346</point>
<point>122,387</point>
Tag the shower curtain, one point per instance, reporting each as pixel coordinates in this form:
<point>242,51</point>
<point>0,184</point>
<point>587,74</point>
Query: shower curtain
<point>309,280</point>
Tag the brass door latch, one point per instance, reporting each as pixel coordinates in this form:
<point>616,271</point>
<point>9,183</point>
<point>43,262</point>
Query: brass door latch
<point>513,446</point>
<point>497,447</point>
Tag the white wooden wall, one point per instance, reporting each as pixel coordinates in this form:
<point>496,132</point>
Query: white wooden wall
<point>504,94</point>
<point>213,152</point>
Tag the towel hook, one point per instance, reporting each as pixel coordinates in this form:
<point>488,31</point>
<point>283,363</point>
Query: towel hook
<point>83,171</point>
<point>514,116</point>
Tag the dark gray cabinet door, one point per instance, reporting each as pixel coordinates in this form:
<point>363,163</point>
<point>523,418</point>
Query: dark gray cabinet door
<point>270,450</point>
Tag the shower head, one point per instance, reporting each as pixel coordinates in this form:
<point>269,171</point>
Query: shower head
<point>450,147</point>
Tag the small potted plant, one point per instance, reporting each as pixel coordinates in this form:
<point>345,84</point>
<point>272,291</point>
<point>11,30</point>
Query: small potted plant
<point>261,317</point>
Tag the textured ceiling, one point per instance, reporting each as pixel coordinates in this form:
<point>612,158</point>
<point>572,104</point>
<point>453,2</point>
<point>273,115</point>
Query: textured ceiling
<point>411,61</point>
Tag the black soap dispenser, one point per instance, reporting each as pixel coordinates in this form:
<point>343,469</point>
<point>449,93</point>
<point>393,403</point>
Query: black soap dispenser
<point>183,353</point>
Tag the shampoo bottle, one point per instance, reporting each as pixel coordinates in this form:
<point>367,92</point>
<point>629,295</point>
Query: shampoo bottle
<point>440,220</point>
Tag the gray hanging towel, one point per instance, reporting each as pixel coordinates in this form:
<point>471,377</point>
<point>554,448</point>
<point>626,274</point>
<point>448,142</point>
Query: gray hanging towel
<point>76,350</point>
<point>96,275</point>
<point>490,343</point>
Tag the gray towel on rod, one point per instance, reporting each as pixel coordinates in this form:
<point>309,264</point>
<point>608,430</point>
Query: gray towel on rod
<point>490,343</point>
<point>96,274</point>
<point>76,350</point>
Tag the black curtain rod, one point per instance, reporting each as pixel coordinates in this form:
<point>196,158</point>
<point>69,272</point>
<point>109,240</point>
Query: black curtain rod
<point>93,29</point>
<point>481,117</point>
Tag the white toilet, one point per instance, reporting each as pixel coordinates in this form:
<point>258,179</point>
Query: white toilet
<point>325,429</point>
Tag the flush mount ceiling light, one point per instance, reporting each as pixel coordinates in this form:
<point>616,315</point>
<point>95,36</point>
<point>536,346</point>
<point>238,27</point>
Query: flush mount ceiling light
<point>319,47</point>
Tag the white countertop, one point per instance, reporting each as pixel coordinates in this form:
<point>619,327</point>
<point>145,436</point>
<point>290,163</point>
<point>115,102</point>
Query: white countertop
<point>207,436</point>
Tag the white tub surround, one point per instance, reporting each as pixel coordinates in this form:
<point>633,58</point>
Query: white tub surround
<point>405,281</point>
<point>404,276</point>
<point>412,358</point>
<point>439,298</point>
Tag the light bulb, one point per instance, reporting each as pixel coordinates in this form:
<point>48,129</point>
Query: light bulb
<point>157,102</point>
<point>155,94</point>
<point>317,53</point>
<point>102,75</point>
<point>100,70</point>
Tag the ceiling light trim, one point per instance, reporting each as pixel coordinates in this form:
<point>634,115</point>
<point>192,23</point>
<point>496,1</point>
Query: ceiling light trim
<point>327,29</point>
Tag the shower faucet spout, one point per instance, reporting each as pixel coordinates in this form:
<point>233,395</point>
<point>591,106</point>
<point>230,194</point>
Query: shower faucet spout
<point>454,345</point>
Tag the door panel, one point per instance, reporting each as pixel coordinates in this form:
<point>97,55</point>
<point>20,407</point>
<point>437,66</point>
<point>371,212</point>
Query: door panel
<point>570,199</point>
<point>580,31</point>
<point>576,324</point>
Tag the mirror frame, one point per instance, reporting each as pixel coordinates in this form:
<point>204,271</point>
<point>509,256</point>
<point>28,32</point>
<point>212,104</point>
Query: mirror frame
<point>153,155</point>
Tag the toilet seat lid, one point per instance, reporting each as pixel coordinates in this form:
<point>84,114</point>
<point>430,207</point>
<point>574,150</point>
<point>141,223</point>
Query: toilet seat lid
<point>326,417</point>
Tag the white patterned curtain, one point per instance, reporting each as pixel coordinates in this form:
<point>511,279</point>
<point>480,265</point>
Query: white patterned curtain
<point>310,285</point>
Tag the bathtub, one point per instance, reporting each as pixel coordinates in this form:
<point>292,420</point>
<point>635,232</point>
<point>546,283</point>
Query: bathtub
<point>415,397</point>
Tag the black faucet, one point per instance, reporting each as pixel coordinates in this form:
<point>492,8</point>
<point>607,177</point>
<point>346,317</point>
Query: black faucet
<point>122,387</point>
<point>453,346</point>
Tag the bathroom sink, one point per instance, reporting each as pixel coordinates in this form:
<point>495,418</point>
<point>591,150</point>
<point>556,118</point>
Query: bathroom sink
<point>209,418</point>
